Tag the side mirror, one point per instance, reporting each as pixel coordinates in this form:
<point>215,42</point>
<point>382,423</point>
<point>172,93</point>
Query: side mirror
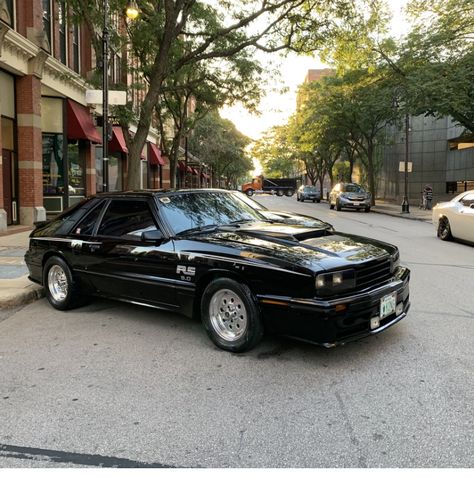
<point>152,236</point>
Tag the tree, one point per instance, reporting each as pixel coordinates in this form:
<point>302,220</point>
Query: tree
<point>217,142</point>
<point>435,63</point>
<point>276,152</point>
<point>169,36</point>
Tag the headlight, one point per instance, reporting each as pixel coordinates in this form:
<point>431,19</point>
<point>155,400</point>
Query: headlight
<point>335,282</point>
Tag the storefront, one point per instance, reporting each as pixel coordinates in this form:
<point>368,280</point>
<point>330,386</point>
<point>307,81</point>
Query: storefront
<point>68,136</point>
<point>9,159</point>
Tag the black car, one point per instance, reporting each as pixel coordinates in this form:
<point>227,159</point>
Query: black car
<point>308,193</point>
<point>206,253</point>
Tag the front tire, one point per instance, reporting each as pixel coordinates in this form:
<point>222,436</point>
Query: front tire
<point>338,205</point>
<point>444,229</point>
<point>249,192</point>
<point>60,287</point>
<point>231,316</point>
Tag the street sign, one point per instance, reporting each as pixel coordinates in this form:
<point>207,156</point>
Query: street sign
<point>116,97</point>
<point>401,166</point>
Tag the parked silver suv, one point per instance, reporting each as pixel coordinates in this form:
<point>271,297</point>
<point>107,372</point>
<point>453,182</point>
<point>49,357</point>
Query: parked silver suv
<point>349,195</point>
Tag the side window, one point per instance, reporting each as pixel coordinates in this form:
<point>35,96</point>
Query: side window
<point>86,226</point>
<point>467,200</point>
<point>127,218</point>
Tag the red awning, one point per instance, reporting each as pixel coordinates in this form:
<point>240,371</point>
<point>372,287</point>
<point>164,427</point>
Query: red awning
<point>195,172</point>
<point>205,176</point>
<point>79,123</point>
<point>154,155</point>
<point>181,166</point>
<point>117,143</point>
<point>189,169</point>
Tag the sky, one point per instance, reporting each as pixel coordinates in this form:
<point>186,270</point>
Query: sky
<point>277,107</point>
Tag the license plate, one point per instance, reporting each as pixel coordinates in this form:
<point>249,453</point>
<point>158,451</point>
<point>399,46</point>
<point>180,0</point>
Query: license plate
<point>388,304</point>
<point>356,203</point>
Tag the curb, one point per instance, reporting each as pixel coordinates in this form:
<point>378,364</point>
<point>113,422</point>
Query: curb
<point>23,293</point>
<point>402,215</point>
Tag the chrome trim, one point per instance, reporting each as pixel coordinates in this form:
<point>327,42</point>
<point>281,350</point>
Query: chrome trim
<point>62,239</point>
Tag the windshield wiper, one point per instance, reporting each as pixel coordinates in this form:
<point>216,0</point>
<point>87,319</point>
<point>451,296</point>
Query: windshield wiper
<point>193,230</point>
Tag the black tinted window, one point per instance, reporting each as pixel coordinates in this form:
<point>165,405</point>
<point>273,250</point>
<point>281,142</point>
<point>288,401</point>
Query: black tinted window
<point>86,226</point>
<point>126,218</point>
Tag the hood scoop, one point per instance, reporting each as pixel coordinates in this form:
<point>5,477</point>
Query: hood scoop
<point>292,234</point>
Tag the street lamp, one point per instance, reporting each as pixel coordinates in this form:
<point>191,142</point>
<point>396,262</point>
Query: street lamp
<point>405,202</point>
<point>131,11</point>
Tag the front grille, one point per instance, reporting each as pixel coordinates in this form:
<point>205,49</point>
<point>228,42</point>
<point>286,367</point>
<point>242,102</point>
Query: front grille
<point>373,273</point>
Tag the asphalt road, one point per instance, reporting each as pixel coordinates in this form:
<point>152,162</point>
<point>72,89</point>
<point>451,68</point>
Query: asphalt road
<point>126,386</point>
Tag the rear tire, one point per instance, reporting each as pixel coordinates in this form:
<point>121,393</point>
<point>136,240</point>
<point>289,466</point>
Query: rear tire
<point>279,193</point>
<point>60,287</point>
<point>249,192</point>
<point>444,229</point>
<point>230,315</point>
<point>367,209</point>
<point>331,206</point>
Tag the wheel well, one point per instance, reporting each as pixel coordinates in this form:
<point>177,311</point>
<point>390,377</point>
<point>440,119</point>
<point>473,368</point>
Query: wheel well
<point>205,280</point>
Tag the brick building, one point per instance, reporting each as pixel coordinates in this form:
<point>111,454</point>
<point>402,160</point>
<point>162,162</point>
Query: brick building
<point>51,153</point>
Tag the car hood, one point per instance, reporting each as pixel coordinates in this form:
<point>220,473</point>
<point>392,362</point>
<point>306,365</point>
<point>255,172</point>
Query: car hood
<point>294,247</point>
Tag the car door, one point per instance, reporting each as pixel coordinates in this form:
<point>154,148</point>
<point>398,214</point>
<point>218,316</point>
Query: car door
<point>463,227</point>
<point>121,264</point>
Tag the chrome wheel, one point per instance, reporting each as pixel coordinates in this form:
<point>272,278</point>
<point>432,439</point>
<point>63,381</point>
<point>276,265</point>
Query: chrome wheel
<point>228,315</point>
<point>57,283</point>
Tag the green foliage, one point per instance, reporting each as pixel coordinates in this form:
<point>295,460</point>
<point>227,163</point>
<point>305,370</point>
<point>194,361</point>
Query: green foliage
<point>217,142</point>
<point>276,153</point>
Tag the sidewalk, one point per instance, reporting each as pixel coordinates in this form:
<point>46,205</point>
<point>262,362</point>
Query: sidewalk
<point>16,289</point>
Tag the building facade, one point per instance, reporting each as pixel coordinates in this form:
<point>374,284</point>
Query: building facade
<point>51,152</point>
<point>440,156</point>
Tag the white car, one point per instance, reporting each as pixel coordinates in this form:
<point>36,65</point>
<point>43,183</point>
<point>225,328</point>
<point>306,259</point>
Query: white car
<point>455,219</point>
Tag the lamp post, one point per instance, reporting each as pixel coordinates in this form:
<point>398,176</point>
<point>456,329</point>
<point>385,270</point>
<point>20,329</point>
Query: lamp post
<point>131,11</point>
<point>405,202</point>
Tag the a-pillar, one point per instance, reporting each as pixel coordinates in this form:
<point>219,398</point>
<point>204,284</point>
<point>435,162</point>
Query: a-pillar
<point>30,149</point>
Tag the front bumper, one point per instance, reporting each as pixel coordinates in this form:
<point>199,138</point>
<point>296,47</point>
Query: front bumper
<point>344,202</point>
<point>335,322</point>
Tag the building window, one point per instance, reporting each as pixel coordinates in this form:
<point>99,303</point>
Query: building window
<point>62,33</point>
<point>99,168</point>
<point>47,20</point>
<point>75,49</point>
<point>53,164</point>
<point>6,12</point>
<point>115,173</point>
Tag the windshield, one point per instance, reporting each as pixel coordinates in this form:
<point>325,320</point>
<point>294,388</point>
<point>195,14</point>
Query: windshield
<point>186,211</point>
<point>253,204</point>
<point>310,189</point>
<point>353,188</point>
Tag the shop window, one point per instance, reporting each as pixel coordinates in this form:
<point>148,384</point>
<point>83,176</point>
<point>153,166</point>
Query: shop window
<point>77,172</point>
<point>53,164</point>
<point>99,168</point>
<point>115,173</point>
<point>6,12</point>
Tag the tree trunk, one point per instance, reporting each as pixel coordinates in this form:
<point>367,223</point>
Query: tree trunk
<point>370,170</point>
